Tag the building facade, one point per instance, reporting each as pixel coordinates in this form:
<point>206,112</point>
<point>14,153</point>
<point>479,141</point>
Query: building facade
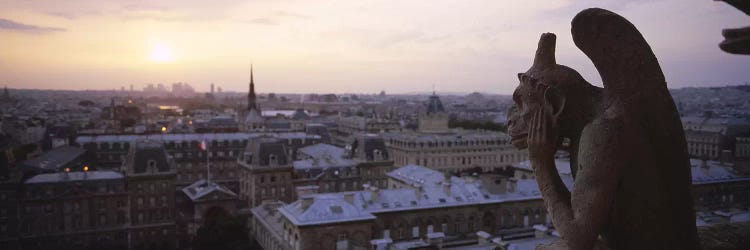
<point>222,150</point>
<point>266,172</point>
<point>427,204</point>
<point>84,210</point>
<point>150,178</point>
<point>454,152</point>
<point>708,136</point>
<point>351,126</point>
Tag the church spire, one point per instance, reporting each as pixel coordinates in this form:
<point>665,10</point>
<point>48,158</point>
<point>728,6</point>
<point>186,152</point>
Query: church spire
<point>251,94</point>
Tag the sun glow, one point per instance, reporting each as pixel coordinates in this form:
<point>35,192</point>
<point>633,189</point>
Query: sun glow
<point>161,53</point>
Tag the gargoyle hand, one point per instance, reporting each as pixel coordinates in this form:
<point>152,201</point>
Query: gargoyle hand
<point>543,134</point>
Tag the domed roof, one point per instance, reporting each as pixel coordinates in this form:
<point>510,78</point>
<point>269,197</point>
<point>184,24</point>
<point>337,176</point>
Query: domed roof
<point>300,114</point>
<point>434,105</point>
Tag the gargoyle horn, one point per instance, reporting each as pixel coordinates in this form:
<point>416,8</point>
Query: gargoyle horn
<point>545,52</point>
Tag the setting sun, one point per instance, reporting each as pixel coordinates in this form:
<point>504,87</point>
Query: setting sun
<point>161,53</point>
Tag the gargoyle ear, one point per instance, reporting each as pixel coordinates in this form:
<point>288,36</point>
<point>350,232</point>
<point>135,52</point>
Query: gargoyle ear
<point>554,99</point>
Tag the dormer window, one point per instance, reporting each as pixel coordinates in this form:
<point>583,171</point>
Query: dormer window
<point>272,159</point>
<point>378,155</point>
<point>151,164</point>
<point>248,158</point>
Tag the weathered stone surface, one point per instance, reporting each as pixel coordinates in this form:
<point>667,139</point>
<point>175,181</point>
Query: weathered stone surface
<point>737,41</point>
<point>725,236</point>
<point>627,145</point>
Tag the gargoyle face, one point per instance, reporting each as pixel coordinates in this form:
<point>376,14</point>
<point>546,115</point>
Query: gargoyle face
<point>527,99</point>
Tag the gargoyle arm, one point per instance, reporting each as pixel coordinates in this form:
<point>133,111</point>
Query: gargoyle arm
<point>580,216</point>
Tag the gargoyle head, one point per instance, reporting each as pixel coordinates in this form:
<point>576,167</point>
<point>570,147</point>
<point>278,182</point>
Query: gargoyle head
<point>545,85</point>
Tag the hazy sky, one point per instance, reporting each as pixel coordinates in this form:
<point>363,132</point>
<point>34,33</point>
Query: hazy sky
<point>361,46</point>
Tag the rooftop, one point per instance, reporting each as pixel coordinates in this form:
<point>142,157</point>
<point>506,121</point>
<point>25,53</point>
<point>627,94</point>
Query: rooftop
<point>323,156</point>
<point>56,158</point>
<point>456,135</point>
<point>189,137</point>
<point>430,191</point>
<point>713,172</point>
<point>74,176</point>
<point>201,188</point>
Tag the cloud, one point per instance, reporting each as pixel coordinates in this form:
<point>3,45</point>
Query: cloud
<point>16,26</point>
<point>292,14</point>
<point>262,21</point>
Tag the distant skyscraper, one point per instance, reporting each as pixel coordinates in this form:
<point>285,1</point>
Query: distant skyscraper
<point>251,104</point>
<point>212,88</point>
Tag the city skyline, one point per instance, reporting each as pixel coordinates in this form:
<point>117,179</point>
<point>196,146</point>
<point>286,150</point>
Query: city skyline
<point>338,47</point>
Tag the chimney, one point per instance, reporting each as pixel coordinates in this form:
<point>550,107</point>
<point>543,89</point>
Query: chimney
<point>306,202</point>
<point>503,245</point>
<point>435,240</point>
<point>705,167</point>
<point>349,197</point>
<point>379,244</point>
<point>468,179</point>
<point>512,184</point>
<point>447,188</point>
<point>374,193</point>
<point>483,237</point>
<point>540,231</point>
<point>418,190</point>
<point>725,157</point>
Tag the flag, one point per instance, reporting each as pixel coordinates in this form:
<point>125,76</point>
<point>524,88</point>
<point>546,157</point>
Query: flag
<point>204,146</point>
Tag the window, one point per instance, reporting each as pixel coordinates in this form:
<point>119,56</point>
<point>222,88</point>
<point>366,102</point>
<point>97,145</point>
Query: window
<point>151,164</point>
<point>120,217</point>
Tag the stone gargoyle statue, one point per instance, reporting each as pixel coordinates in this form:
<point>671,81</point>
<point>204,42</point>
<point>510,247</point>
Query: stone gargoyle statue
<point>627,147</point>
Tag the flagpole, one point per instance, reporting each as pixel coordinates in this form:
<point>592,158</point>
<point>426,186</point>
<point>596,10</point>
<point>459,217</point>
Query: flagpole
<point>208,166</point>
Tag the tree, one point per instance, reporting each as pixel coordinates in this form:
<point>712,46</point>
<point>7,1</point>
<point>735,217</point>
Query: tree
<point>86,103</point>
<point>221,231</point>
<point>468,124</point>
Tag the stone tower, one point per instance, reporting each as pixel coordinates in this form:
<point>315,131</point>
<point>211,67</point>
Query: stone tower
<point>251,104</point>
<point>435,120</point>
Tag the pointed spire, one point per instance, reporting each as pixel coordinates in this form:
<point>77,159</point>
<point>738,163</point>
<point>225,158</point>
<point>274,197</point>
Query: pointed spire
<point>251,92</point>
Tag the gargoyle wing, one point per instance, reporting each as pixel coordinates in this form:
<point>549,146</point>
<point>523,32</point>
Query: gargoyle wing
<point>635,89</point>
<point>620,53</point>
